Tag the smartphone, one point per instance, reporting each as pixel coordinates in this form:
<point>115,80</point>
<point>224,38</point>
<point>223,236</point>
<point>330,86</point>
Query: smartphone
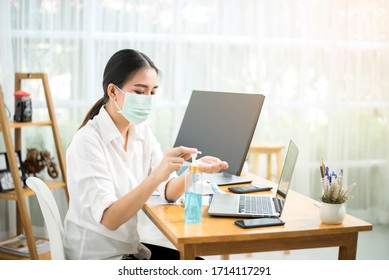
<point>249,189</point>
<point>259,222</point>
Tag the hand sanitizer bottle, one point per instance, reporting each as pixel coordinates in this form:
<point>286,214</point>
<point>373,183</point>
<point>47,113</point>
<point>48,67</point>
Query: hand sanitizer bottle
<point>193,193</point>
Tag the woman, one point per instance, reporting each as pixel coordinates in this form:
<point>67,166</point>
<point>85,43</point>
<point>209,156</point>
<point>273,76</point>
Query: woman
<point>114,164</point>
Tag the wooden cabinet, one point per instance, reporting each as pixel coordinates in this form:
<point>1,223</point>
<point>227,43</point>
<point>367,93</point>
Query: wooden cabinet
<point>13,144</point>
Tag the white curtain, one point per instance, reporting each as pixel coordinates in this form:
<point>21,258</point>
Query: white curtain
<point>322,66</point>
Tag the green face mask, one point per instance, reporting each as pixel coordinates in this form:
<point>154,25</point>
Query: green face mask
<point>136,107</point>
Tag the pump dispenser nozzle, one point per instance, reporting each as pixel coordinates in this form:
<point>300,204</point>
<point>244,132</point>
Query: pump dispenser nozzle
<point>194,167</point>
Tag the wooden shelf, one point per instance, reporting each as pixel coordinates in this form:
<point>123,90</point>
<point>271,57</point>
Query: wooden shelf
<point>5,256</point>
<point>11,195</point>
<point>26,124</point>
<point>13,144</point>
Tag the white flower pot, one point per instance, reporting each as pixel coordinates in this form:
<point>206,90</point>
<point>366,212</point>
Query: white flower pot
<point>332,213</point>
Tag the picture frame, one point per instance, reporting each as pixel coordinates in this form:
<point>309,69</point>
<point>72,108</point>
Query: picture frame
<point>6,180</point>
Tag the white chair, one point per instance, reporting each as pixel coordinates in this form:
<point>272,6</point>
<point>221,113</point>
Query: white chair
<point>51,216</point>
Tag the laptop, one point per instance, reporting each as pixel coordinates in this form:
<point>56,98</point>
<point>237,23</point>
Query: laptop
<point>244,205</point>
<point>221,124</point>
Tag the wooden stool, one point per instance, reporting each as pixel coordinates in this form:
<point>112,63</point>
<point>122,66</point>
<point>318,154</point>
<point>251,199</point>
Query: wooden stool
<point>269,149</point>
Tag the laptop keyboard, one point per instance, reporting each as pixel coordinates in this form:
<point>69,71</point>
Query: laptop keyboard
<point>254,204</point>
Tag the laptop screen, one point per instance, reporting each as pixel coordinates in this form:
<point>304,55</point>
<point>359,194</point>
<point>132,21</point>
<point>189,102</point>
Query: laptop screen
<point>287,171</point>
<point>221,124</point>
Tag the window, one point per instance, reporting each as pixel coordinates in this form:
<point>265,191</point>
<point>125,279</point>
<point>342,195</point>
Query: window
<point>321,65</point>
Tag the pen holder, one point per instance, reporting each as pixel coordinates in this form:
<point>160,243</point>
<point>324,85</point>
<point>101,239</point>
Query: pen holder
<point>333,197</point>
<point>332,213</point>
<point>193,196</point>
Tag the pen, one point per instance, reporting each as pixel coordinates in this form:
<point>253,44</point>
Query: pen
<point>322,169</point>
<point>321,172</point>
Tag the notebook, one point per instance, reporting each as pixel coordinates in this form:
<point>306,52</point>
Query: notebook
<point>221,124</point>
<point>244,205</point>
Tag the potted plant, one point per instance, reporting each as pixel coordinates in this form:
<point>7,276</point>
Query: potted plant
<point>334,195</point>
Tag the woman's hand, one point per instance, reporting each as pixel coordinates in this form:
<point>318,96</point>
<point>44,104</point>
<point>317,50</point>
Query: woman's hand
<point>172,161</point>
<point>209,164</point>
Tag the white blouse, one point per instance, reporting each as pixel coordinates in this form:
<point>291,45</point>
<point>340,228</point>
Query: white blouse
<point>99,172</point>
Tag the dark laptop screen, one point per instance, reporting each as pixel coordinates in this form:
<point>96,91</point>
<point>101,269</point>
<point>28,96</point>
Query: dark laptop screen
<point>287,171</point>
<point>221,124</point>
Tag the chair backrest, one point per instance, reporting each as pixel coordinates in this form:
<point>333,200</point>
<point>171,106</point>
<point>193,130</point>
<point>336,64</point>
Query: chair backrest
<point>51,216</point>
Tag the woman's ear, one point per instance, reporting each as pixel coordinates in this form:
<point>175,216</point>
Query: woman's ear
<point>112,91</point>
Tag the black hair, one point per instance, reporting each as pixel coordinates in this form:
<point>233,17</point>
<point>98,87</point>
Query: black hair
<point>121,67</point>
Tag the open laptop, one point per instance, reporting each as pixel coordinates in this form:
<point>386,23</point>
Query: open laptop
<point>221,124</point>
<point>243,205</point>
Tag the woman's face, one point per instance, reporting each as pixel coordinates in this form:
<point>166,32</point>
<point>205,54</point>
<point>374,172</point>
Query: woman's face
<point>145,81</point>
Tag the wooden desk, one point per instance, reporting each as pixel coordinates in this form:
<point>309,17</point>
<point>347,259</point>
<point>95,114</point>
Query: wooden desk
<point>219,236</point>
